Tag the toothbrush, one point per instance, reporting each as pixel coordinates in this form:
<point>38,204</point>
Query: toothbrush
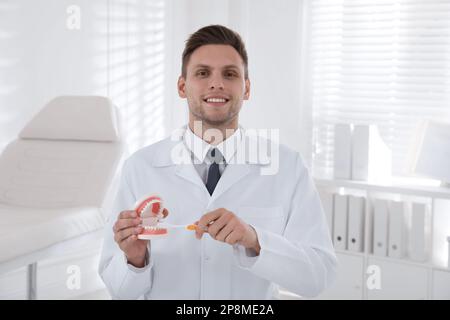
<point>190,227</point>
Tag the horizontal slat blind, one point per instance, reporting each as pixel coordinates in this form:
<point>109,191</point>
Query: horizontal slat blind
<point>136,67</point>
<point>383,62</point>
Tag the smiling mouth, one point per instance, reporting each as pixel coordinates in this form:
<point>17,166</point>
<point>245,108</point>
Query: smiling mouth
<point>216,101</point>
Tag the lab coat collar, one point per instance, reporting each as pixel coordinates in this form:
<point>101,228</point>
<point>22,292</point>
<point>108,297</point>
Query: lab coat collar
<point>174,152</point>
<point>200,147</point>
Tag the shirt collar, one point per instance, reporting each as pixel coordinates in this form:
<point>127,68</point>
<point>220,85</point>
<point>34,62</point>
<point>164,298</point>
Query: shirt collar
<point>199,147</point>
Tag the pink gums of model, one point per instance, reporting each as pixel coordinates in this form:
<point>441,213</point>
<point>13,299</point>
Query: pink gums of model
<point>150,210</point>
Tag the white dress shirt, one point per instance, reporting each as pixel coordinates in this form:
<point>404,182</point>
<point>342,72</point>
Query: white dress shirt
<point>199,149</point>
<point>283,208</point>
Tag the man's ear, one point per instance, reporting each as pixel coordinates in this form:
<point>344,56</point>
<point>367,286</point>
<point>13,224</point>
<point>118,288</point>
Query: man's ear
<point>247,89</point>
<point>181,87</point>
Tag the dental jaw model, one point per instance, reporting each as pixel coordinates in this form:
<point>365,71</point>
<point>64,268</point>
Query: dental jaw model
<point>150,209</point>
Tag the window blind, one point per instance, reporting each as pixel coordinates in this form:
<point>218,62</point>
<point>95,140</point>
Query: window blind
<point>377,62</point>
<point>136,35</point>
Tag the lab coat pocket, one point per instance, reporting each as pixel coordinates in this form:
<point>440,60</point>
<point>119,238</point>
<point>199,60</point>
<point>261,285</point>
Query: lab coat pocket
<point>267,218</point>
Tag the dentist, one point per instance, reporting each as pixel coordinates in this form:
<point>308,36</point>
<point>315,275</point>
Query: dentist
<point>260,221</point>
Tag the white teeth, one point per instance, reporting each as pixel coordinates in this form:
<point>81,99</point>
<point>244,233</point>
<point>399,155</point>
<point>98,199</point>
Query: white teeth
<point>152,228</point>
<point>216,100</point>
<point>147,205</point>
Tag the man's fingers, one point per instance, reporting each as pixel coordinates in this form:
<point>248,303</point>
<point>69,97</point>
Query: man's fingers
<point>130,242</point>
<point>233,238</point>
<point>127,214</point>
<point>209,217</point>
<point>224,232</point>
<point>198,232</point>
<point>125,233</point>
<point>126,223</point>
<point>219,224</point>
<point>132,239</point>
<point>213,222</point>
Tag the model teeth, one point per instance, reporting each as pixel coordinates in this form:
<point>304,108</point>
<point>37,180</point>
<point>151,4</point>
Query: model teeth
<point>147,205</point>
<point>152,228</point>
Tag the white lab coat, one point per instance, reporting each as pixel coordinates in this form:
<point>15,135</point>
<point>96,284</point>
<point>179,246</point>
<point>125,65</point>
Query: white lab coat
<point>284,209</point>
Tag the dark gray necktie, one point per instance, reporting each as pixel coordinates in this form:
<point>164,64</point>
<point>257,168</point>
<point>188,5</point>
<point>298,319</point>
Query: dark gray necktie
<point>213,172</point>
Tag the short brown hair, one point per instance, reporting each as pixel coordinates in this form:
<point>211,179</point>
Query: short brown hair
<point>214,34</point>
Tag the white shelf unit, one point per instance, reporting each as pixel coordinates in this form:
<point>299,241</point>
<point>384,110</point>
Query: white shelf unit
<point>401,278</point>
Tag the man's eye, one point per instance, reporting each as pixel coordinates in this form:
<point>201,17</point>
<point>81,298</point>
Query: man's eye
<point>230,74</point>
<point>202,73</point>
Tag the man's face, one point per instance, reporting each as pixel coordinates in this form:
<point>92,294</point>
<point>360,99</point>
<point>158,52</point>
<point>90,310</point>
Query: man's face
<point>215,84</point>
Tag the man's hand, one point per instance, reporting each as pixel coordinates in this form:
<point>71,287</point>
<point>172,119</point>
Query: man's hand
<point>223,225</point>
<point>126,230</point>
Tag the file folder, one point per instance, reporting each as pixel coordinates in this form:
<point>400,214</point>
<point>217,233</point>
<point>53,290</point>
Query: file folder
<point>396,240</point>
<point>380,227</point>
<point>340,222</point>
<point>419,233</point>
<point>360,152</point>
<point>342,151</point>
<point>356,213</point>
<point>371,157</point>
<point>448,256</point>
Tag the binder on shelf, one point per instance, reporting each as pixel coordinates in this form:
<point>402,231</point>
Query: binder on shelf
<point>419,233</point>
<point>371,157</point>
<point>396,238</point>
<point>342,151</point>
<point>432,145</point>
<point>448,256</point>
<point>356,210</point>
<point>326,198</point>
<point>360,152</point>
<point>340,222</point>
<point>380,227</point>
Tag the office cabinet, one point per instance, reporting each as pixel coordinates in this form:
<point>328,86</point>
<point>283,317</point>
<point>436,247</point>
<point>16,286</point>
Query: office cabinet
<point>349,282</point>
<point>399,281</point>
<point>441,285</point>
<point>411,254</point>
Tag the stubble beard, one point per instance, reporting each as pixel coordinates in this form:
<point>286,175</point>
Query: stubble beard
<point>200,115</point>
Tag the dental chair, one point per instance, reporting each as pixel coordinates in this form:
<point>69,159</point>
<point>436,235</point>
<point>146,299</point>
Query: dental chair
<point>55,181</point>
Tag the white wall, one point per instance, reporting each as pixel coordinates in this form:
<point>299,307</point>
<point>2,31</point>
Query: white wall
<point>40,58</point>
<point>273,46</point>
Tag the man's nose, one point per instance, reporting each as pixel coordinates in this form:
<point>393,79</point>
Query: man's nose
<point>216,82</point>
